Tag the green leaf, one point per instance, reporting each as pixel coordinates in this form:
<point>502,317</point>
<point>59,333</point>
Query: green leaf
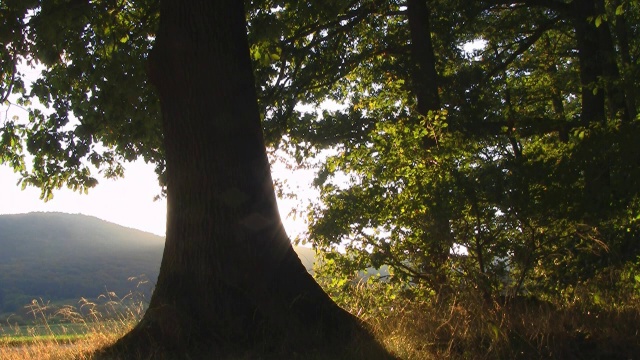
<point>597,299</point>
<point>619,10</point>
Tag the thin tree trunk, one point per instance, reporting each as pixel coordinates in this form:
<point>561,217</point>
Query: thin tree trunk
<point>556,97</point>
<point>558,105</point>
<point>592,97</point>
<point>593,67</point>
<point>424,61</point>
<point>424,81</point>
<point>622,36</point>
<point>615,92</point>
<point>230,282</point>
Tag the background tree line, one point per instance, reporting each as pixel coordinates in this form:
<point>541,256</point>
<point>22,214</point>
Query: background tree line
<point>487,146</point>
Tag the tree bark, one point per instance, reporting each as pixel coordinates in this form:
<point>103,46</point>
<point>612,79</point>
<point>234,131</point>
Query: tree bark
<point>424,60</point>
<point>595,65</point>
<point>590,58</point>
<point>622,36</point>
<point>614,89</point>
<point>230,283</point>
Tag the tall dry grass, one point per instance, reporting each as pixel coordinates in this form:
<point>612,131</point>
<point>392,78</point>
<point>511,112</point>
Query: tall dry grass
<point>462,327</point>
<point>467,327</point>
<point>70,332</point>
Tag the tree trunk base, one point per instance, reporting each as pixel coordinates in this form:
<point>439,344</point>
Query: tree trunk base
<point>166,333</point>
<point>149,340</point>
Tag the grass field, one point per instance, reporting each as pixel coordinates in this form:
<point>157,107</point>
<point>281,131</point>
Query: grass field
<point>63,333</point>
<point>59,341</point>
<point>68,332</point>
<point>464,329</point>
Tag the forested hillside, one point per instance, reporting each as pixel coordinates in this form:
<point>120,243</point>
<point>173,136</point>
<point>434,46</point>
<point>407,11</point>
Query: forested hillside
<point>56,256</point>
<point>63,257</point>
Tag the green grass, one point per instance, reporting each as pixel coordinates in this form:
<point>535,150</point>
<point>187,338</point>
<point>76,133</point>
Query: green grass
<point>26,340</point>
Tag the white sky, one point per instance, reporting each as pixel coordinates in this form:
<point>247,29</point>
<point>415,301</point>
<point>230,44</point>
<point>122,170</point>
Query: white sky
<point>127,201</point>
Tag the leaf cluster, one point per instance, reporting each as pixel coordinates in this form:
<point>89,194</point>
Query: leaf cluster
<point>100,108</point>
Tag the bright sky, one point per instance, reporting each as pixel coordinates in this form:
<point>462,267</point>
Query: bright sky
<point>128,201</point>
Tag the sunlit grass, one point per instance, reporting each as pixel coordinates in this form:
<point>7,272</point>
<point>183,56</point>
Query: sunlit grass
<point>463,327</point>
<point>467,327</point>
<point>69,332</point>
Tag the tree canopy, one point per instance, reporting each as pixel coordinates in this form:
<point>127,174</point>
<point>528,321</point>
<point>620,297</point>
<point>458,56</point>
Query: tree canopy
<point>487,145</point>
<point>101,109</point>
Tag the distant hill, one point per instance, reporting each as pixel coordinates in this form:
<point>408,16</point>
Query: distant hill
<point>62,257</point>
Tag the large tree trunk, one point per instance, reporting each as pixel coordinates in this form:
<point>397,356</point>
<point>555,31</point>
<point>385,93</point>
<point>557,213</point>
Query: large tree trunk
<point>230,282</point>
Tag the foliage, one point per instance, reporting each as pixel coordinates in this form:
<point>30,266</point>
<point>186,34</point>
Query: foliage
<point>101,109</point>
<point>523,180</point>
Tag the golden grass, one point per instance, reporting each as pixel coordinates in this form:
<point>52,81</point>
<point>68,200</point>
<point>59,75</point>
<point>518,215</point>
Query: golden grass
<point>460,328</point>
<point>69,332</point>
<point>471,328</point>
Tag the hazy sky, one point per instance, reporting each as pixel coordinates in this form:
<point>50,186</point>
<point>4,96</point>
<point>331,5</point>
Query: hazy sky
<point>127,201</point>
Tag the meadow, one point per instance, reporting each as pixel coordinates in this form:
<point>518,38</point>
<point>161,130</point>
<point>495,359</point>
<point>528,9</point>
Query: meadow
<point>69,331</point>
<point>463,328</point>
